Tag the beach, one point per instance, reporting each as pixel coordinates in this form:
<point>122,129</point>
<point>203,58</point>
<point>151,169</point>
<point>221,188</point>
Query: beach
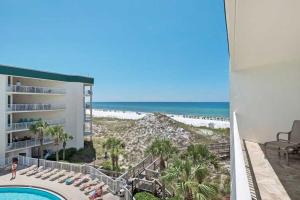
<point>189,120</point>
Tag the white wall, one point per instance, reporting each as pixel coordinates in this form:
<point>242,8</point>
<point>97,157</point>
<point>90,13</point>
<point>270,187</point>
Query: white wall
<point>266,100</point>
<point>74,113</point>
<point>3,100</point>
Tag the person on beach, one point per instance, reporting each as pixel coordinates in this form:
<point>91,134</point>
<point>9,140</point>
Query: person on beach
<point>14,166</point>
<point>97,193</point>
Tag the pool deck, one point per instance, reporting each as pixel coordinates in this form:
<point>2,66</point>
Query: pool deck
<point>70,192</point>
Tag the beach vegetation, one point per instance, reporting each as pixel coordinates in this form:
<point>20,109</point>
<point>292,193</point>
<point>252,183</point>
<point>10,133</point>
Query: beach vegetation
<point>163,148</point>
<point>145,196</point>
<point>189,174</point>
<point>116,148</point>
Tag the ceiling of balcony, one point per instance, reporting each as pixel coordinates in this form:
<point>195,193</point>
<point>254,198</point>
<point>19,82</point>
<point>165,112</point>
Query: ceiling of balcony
<point>263,32</point>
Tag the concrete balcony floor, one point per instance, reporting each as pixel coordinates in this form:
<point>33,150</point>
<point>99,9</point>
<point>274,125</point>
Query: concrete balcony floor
<point>275,179</point>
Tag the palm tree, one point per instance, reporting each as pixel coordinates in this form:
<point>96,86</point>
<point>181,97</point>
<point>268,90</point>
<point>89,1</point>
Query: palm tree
<point>200,153</point>
<point>162,148</point>
<point>65,137</point>
<point>189,180</point>
<point>57,132</point>
<point>116,147</point>
<point>39,128</point>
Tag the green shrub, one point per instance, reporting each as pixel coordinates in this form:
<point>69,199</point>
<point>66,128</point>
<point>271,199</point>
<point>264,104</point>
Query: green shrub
<point>69,153</point>
<point>145,196</point>
<point>107,165</point>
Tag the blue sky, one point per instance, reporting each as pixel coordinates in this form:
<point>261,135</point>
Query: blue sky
<point>137,50</point>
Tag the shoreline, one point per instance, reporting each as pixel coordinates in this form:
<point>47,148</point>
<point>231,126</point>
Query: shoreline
<point>197,121</point>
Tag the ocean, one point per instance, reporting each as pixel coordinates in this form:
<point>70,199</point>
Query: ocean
<point>212,109</point>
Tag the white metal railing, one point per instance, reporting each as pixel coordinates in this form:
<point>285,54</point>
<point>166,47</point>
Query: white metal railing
<point>27,143</point>
<point>33,107</point>
<point>35,89</point>
<point>114,185</point>
<point>239,181</point>
<point>26,125</point>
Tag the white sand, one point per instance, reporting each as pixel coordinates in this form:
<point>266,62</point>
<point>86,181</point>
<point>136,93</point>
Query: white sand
<point>118,114</point>
<point>213,123</point>
<point>201,122</point>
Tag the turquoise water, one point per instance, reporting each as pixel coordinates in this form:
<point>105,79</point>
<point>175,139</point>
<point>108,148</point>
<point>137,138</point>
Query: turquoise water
<point>213,109</point>
<point>26,193</point>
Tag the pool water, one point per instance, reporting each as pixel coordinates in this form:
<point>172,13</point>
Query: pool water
<point>26,193</point>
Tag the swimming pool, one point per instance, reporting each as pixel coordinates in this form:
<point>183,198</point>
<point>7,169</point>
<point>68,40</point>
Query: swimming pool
<point>27,193</point>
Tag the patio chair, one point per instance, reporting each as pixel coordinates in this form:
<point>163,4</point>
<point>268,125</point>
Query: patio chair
<point>38,175</point>
<point>71,180</point>
<point>287,146</point>
<point>84,179</point>
<point>58,175</point>
<point>34,171</point>
<point>24,171</point>
<point>65,177</point>
<point>88,184</point>
<point>92,188</point>
<point>47,175</point>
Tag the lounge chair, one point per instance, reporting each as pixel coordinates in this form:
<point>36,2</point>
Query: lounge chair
<point>24,171</point>
<point>88,190</point>
<point>71,180</point>
<point>34,171</point>
<point>84,179</point>
<point>38,175</point>
<point>58,175</point>
<point>88,184</point>
<point>47,175</point>
<point>95,196</point>
<point>289,145</point>
<point>65,177</point>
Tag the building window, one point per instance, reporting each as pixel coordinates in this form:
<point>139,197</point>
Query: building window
<point>8,139</point>
<point>8,101</point>
<point>9,80</point>
<point>9,120</point>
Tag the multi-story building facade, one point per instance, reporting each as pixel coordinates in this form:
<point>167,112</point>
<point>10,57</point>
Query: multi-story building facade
<point>29,95</point>
<point>264,47</point>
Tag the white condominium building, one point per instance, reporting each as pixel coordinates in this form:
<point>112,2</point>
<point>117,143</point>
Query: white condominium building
<point>29,95</point>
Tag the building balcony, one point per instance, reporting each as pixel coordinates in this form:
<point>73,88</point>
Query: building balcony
<point>27,144</point>
<point>35,90</point>
<point>34,107</point>
<point>23,126</point>
<point>87,133</point>
<point>257,176</point>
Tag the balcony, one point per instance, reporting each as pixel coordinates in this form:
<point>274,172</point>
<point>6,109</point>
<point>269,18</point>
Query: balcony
<point>23,126</point>
<point>35,90</point>
<point>255,176</point>
<point>27,144</point>
<point>34,107</point>
<point>87,133</point>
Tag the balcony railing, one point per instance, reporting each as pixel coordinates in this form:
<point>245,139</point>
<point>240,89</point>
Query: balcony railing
<point>27,144</point>
<point>26,125</point>
<point>34,89</point>
<point>239,182</point>
<point>34,107</point>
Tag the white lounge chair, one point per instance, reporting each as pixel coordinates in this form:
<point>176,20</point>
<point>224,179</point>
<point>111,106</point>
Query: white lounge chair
<point>82,180</point>
<point>71,180</point>
<point>47,175</point>
<point>24,171</point>
<point>63,178</point>
<point>38,175</point>
<point>58,175</point>
<point>92,188</point>
<point>104,190</point>
<point>34,171</point>
<point>88,184</point>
